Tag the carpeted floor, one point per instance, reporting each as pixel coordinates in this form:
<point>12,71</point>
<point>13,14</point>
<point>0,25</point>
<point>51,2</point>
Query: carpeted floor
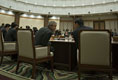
<point>45,74</point>
<point>42,73</point>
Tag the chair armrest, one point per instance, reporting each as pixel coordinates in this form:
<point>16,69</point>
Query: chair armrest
<point>41,52</point>
<point>40,46</point>
<point>37,46</point>
<point>9,41</point>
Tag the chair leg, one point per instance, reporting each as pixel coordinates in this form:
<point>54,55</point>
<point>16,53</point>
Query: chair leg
<point>79,76</point>
<point>110,75</point>
<point>33,70</point>
<point>17,67</point>
<point>52,64</point>
<point>1,60</point>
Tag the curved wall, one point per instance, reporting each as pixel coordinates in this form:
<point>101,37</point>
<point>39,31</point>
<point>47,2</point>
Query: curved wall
<point>111,21</point>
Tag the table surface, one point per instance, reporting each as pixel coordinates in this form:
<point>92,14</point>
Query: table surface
<point>114,42</point>
<point>70,41</point>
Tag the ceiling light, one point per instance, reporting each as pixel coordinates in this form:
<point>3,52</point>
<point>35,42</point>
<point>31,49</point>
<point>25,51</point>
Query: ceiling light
<point>32,16</point>
<point>83,4</point>
<point>93,3</point>
<point>94,12</point>
<point>10,12</point>
<point>45,4</point>
<point>39,16</point>
<point>73,5</point>
<point>103,2</point>
<point>63,5</point>
<point>54,17</point>
<point>3,11</point>
<point>35,3</point>
<point>24,15</point>
<point>54,5</point>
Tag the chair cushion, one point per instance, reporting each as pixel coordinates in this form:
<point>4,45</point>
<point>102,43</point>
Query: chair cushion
<point>41,52</point>
<point>9,46</point>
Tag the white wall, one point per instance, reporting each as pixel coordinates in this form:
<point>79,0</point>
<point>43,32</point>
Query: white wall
<point>4,18</point>
<point>111,24</point>
<point>32,22</point>
<point>66,23</point>
<point>111,21</point>
<point>88,23</point>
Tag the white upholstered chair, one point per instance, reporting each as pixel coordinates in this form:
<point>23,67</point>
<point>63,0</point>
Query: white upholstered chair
<point>6,48</point>
<point>95,51</point>
<point>29,53</point>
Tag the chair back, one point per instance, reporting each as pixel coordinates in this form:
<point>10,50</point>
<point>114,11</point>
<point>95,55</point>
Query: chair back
<point>25,43</point>
<point>95,47</point>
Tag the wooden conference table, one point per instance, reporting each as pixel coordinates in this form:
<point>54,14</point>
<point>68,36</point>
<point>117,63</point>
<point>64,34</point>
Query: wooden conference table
<point>115,55</point>
<point>65,53</point>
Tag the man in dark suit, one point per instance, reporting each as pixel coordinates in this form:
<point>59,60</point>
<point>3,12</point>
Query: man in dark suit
<point>11,34</point>
<point>43,35</point>
<point>2,25</point>
<point>5,30</point>
<point>78,25</point>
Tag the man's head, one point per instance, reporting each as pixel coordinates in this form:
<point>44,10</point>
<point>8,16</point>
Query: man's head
<point>14,25</point>
<point>2,24</point>
<point>7,25</point>
<point>78,22</point>
<point>52,25</point>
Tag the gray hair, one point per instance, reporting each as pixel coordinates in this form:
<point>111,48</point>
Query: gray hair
<point>51,23</point>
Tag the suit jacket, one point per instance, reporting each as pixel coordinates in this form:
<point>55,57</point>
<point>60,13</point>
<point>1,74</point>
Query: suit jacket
<point>11,35</point>
<point>75,34</point>
<point>4,32</point>
<point>42,36</point>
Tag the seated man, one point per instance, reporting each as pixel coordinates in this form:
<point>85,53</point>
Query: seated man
<point>42,36</point>
<point>11,34</point>
<point>5,30</point>
<point>78,25</point>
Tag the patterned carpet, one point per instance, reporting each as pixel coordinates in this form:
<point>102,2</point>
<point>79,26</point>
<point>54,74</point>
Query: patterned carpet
<point>42,73</point>
<point>45,74</point>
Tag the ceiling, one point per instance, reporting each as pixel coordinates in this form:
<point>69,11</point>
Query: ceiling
<point>62,7</point>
